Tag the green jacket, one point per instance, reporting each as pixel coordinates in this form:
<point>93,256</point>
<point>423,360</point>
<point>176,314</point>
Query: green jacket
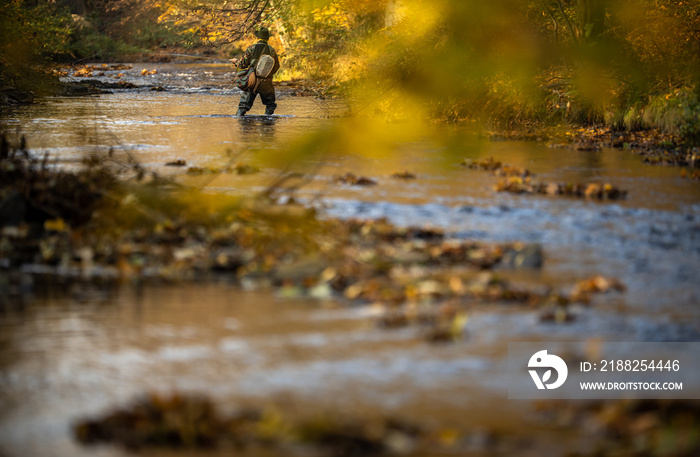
<point>258,49</point>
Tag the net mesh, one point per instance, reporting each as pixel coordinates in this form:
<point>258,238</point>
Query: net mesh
<point>264,66</point>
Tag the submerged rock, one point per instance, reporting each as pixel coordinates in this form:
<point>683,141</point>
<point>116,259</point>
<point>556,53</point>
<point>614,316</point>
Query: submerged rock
<point>527,256</point>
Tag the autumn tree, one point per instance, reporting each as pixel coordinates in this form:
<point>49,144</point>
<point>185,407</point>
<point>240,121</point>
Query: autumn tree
<point>218,22</point>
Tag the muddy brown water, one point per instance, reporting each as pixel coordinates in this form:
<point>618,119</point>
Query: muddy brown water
<point>71,355</point>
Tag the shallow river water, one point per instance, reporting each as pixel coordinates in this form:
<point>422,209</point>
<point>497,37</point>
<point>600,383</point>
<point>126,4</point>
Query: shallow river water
<point>67,356</point>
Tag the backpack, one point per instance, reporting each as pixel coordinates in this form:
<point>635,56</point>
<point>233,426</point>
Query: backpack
<point>264,66</point>
<point>261,67</point>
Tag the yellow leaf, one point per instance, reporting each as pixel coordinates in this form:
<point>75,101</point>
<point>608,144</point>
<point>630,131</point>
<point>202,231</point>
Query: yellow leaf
<point>457,325</point>
<point>55,225</point>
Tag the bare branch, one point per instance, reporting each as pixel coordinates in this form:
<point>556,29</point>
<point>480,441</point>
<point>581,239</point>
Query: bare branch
<point>568,22</point>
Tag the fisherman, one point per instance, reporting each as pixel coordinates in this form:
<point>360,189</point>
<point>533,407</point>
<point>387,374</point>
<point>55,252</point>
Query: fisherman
<point>265,88</point>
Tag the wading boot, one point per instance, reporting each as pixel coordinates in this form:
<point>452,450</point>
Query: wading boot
<point>240,113</point>
<point>269,112</point>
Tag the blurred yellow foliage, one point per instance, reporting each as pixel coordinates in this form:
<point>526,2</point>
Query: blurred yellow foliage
<point>55,225</point>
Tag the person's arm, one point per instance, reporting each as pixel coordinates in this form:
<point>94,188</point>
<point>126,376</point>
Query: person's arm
<point>247,58</point>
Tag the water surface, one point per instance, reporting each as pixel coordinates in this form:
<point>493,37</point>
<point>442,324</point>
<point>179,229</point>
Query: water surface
<point>66,356</point>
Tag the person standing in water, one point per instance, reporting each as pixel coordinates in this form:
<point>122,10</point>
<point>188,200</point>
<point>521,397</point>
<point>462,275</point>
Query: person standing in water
<point>265,88</point>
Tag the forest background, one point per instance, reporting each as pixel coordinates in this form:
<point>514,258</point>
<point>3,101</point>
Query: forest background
<point>625,64</point>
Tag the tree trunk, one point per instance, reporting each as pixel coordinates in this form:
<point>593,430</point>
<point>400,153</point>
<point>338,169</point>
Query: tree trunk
<point>591,15</point>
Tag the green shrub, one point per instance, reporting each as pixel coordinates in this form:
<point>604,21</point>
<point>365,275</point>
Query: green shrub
<point>88,42</point>
<point>689,128</point>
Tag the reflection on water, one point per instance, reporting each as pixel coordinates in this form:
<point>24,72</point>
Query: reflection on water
<point>260,128</point>
<point>157,127</point>
<point>67,356</point>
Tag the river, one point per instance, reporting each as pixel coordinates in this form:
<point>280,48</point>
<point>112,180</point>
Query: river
<point>68,355</point>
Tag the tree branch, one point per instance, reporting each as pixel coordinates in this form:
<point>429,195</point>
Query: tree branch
<point>568,22</point>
